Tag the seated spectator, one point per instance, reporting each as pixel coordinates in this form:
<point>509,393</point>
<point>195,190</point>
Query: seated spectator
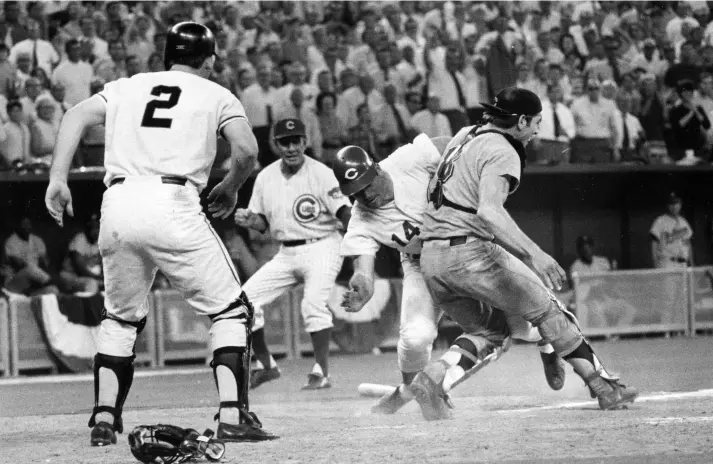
<point>431,121</point>
<point>82,267</point>
<point>29,102</point>
<point>26,264</point>
<point>595,122</point>
<point>363,134</point>
<point>689,124</point>
<point>333,133</point>
<point>74,74</point>
<point>14,136</point>
<point>43,131</point>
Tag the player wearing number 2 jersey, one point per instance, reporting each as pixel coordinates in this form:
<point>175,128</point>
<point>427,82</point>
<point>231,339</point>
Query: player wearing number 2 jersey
<point>161,131</point>
<point>390,199</point>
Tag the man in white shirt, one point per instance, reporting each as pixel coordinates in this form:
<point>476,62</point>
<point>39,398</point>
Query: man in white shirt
<point>630,133</point>
<point>75,75</point>
<point>351,98</point>
<point>649,59</point>
<point>99,46</point>
<point>431,121</point>
<point>595,120</point>
<point>41,52</point>
<point>556,128</point>
<point>259,102</point>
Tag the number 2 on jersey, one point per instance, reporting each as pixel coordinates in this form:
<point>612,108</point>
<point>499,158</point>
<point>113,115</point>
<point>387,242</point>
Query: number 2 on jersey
<point>149,120</point>
<point>409,232</point>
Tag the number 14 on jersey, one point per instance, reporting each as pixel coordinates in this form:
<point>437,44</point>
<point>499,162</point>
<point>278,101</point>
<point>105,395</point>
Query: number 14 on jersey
<point>410,231</point>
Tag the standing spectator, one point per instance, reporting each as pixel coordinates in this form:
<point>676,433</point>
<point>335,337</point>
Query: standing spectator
<point>112,67</point>
<point>22,74</point>
<point>138,40</point>
<point>556,76</point>
<point>557,125</point>
<point>75,75</point>
<point>689,124</point>
<point>671,237</point>
<point>333,133</point>
<point>396,119</point>
<point>43,130</point>
<point>259,102</point>
<point>500,61</point>
<point>297,79</point>
<point>598,66</point>
<point>15,136</point>
<point>385,73</point>
<point>99,47</point>
<point>7,73</point>
<point>42,52</point>
<point>651,115</point>
<point>628,88</point>
<point>26,262</point>
<point>595,120</point>
<point>82,267</point>
<point>363,134</point>
<point>649,59</point>
<point>11,29</point>
<point>538,83</point>
<point>353,97</point>
<point>447,81</point>
<point>630,134</point>
<point>431,121</point>
<point>476,86</point>
<point>685,69</point>
<point>71,29</point>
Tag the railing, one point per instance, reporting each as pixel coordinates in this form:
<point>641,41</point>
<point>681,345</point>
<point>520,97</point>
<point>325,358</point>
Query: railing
<point>612,303</point>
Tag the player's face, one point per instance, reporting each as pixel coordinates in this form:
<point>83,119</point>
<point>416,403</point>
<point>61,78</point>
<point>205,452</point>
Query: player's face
<point>674,209</point>
<point>292,150</point>
<point>530,129</point>
<point>378,193</point>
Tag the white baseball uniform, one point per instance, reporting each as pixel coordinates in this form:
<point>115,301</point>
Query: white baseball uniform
<point>673,235</point>
<point>397,225</point>
<point>301,212</point>
<point>157,125</point>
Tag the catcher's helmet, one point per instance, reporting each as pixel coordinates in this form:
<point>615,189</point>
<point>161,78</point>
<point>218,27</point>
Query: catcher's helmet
<point>188,40</point>
<point>166,444</point>
<point>354,169</point>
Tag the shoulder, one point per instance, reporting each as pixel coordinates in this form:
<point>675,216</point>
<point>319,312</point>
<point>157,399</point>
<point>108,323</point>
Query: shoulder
<point>268,172</point>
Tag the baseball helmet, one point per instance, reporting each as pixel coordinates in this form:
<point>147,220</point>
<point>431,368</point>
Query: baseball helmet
<point>354,169</point>
<point>188,39</point>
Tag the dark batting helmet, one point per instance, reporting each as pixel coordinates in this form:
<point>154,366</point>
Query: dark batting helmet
<point>354,169</point>
<point>188,40</point>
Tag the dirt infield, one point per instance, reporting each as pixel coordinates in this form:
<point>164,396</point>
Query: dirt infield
<point>504,414</point>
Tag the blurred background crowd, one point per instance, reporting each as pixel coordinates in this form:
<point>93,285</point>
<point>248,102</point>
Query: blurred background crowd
<point>620,82</point>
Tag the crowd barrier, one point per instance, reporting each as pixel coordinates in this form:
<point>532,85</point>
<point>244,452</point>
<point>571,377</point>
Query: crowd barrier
<point>612,303</point>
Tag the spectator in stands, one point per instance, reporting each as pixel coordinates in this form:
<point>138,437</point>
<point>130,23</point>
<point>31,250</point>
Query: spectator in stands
<point>363,134</point>
<point>630,134</point>
<point>112,67</point>
<point>595,120</point>
<point>685,69</point>
<point>649,59</point>
<point>42,52</point>
<point>92,142</point>
<point>447,81</point>
<point>138,40</point>
<point>61,106</point>
<point>333,133</point>
<point>14,136</point>
<point>133,65</point>
<point>26,263</point>
<point>33,90</point>
<point>353,97</point>
<point>430,120</point>
<point>573,60</point>
<point>557,125</point>
<point>651,115</point>
<point>22,73</point>
<point>155,63</point>
<point>259,101</point>
<point>396,119</point>
<point>43,130</point>
<point>98,46</point>
<point>556,76</point>
<point>82,267</point>
<point>628,88</point>
<point>75,75</point>
<point>7,73</point>
<point>11,29</point>
<point>690,124</point>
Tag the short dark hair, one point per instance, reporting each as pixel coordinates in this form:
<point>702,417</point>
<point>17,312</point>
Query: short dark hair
<point>71,43</point>
<point>321,97</point>
<point>12,104</point>
<point>505,122</point>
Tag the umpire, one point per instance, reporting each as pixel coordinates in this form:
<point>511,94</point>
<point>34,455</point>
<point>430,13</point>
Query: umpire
<point>474,251</point>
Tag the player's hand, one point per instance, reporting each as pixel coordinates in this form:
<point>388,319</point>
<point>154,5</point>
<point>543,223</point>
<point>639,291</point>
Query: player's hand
<point>246,218</point>
<point>222,200</point>
<point>548,270</point>
<point>58,199</point>
<point>360,291</point>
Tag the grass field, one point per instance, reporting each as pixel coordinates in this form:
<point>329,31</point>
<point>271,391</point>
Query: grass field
<point>506,413</point>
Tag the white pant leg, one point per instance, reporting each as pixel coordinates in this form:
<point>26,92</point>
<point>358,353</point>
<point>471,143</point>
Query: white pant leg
<point>418,321</point>
<point>268,283</point>
<point>320,262</point>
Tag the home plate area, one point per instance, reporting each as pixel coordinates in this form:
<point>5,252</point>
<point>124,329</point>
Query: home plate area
<point>505,413</point>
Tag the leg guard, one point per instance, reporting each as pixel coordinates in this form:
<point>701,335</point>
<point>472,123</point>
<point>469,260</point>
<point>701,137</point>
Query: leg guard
<point>123,368</point>
<point>480,352</point>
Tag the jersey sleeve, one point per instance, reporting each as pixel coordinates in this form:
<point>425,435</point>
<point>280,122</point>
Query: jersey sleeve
<point>655,230</point>
<point>110,93</point>
<point>331,194</point>
<point>357,241</point>
<point>428,153</point>
<point>503,161</point>
<point>256,204</point>
<point>230,110</point>
<point>689,231</point>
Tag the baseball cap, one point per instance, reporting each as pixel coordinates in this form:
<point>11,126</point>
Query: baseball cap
<point>673,198</point>
<point>514,101</point>
<point>585,240</point>
<point>685,84</point>
<point>289,128</point>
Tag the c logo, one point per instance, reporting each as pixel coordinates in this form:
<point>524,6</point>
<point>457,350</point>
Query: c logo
<point>351,174</point>
<point>306,208</point>
<point>290,125</point>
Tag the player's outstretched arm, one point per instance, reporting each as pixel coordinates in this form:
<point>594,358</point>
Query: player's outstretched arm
<point>243,149</point>
<point>493,193</point>
<point>361,285</point>
<point>90,112</point>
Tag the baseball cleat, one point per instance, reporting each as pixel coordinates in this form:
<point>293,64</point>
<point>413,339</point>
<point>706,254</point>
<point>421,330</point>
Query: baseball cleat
<point>434,402</point>
<point>554,370</point>
<point>317,381</point>
<point>103,435</point>
<point>618,398</point>
<point>260,376</point>
<point>240,433</point>
<point>390,403</point>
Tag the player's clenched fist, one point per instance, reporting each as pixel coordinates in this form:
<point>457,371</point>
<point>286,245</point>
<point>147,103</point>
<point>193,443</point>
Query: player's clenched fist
<point>361,289</point>
<point>246,218</point>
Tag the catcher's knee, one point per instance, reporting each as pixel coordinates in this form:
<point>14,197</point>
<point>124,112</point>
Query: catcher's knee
<point>117,336</point>
<point>560,328</point>
<point>228,327</point>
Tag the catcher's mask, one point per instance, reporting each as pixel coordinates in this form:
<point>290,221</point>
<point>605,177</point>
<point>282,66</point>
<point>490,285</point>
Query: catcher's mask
<point>166,444</point>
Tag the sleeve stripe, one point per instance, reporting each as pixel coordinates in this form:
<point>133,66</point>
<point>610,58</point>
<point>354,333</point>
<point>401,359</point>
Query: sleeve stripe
<point>103,97</point>
<point>222,124</point>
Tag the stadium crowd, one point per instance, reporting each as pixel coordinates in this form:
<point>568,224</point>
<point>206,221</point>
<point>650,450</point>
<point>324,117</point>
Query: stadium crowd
<point>619,81</point>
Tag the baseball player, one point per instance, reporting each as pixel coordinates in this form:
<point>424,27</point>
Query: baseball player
<point>160,145</point>
<point>671,237</point>
<point>388,210</point>
<point>299,200</point>
<point>474,251</point>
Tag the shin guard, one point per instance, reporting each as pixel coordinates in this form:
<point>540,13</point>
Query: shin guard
<point>123,368</point>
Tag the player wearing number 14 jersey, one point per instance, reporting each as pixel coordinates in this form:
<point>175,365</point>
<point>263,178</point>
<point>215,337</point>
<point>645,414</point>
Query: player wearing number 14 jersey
<point>390,199</point>
<point>161,131</point>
